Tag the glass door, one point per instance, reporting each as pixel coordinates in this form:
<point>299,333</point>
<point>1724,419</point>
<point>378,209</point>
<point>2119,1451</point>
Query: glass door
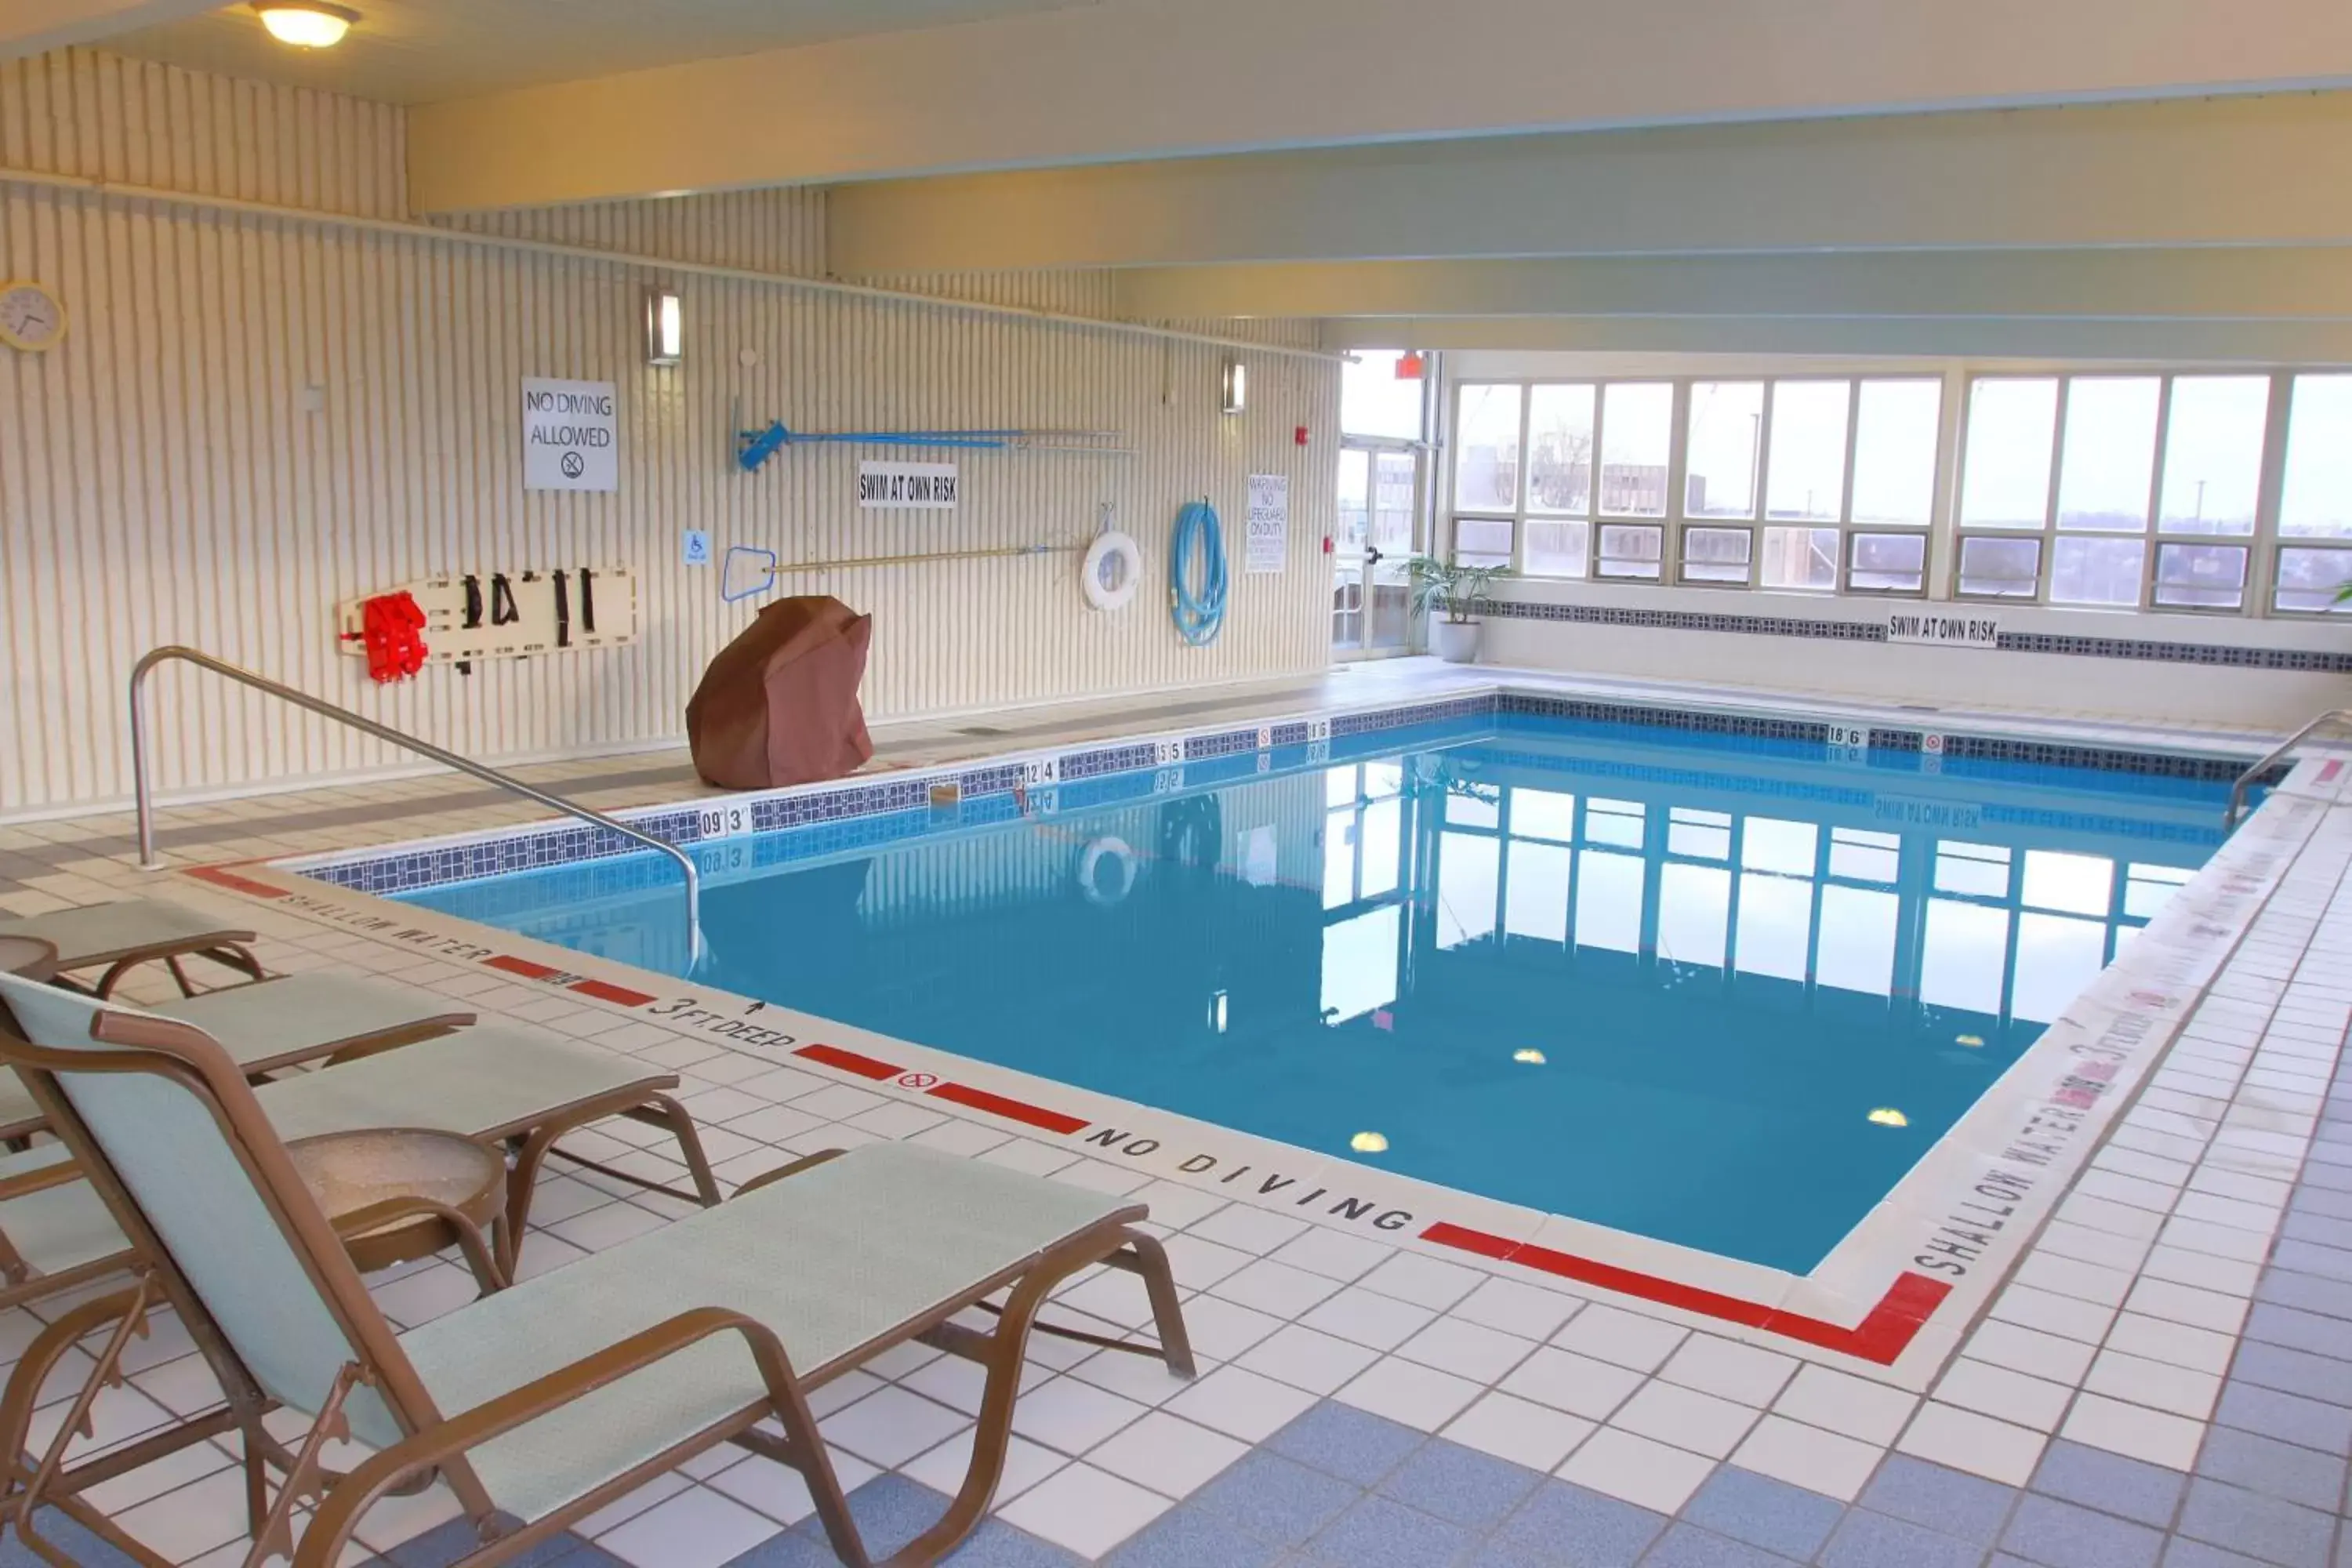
<point>1395,502</point>
<point>1351,542</point>
<point>1383,417</point>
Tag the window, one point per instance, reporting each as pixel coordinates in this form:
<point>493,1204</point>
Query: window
<point>1559,481</point>
<point>1375,401</point>
<point>1726,419</point>
<point>1733,482</point>
<point>2107,490</point>
<point>1486,449</point>
<point>2315,502</point>
<point>1809,450</point>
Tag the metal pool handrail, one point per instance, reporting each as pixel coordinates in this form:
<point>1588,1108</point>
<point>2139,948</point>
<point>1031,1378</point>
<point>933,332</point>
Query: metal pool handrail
<point>144,793</point>
<point>2246,780</point>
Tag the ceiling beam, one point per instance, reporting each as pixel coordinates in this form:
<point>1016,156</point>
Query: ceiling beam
<point>2206,171</point>
<point>1973,338</point>
<point>2212,284</point>
<point>35,27</point>
<point>1170,78</point>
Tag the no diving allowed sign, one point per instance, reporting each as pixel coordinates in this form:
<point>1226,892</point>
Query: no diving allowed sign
<point>571,435</point>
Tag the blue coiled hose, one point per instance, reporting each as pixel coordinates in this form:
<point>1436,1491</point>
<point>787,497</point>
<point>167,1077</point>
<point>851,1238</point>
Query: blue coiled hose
<point>1200,613</point>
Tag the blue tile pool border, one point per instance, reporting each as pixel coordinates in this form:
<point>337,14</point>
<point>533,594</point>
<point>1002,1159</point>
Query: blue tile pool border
<point>860,813</point>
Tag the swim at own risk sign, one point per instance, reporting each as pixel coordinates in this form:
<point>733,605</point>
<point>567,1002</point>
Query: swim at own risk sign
<point>570,435</point>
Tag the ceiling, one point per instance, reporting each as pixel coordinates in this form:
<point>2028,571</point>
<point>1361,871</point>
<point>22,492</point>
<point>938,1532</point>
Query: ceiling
<point>426,51</point>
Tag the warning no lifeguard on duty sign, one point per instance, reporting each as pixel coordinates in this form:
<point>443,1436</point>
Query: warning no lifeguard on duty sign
<point>570,435</point>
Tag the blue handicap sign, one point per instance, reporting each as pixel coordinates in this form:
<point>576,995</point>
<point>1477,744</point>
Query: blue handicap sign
<point>697,550</point>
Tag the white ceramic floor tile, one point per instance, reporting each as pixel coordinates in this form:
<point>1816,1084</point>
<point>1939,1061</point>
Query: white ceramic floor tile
<point>2135,1430</point>
<point>1746,1374</point>
<point>777,1489</point>
<point>696,1529</point>
<point>1240,1403</point>
<point>1369,1318</point>
<point>1578,1384</point>
<point>1518,1430</point>
<point>1686,1418</point>
<point>1251,1229</point>
<point>1468,1350</point>
<point>1333,1253</point>
<point>2158,1385</point>
<point>1085,1510</point>
<point>1802,1456</point>
<point>1649,1474</point>
<point>1419,1396</point>
<point>1168,1454</point>
<point>1275,1288</point>
<point>891,1426</point>
<point>1627,1338</point>
<point>1315,1362</point>
<point>1527,1311</point>
<point>1429,1282</point>
<point>1071,1417</point>
<point>943,1469</point>
<point>2200,1350</point>
<point>1223,1330</point>
<point>2008,1395</point>
<point>1977,1444</point>
<point>1839,1401</point>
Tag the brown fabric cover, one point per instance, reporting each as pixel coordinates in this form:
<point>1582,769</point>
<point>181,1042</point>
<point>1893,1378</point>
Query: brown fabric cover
<point>779,705</point>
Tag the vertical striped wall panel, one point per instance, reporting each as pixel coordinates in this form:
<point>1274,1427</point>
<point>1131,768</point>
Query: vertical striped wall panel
<point>164,478</point>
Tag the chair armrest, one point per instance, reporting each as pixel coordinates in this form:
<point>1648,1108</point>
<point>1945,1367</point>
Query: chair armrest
<point>323,1543</point>
<point>767,1178</point>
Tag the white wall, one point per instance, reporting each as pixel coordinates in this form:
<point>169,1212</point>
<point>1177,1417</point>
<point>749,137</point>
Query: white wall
<point>255,416</point>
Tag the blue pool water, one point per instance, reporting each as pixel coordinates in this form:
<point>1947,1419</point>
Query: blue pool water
<point>1718,990</point>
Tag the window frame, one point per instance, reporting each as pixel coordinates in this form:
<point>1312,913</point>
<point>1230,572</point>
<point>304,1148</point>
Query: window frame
<point>2260,542</point>
<point>2273,543</point>
<point>1671,526</point>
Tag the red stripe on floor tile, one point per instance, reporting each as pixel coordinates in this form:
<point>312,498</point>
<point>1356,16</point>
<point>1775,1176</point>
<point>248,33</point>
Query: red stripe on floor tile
<point>522,966</point>
<point>603,992</point>
<point>847,1061</point>
<point>1881,1337</point>
<point>1010,1109</point>
<point>2330,770</point>
<point>221,877</point>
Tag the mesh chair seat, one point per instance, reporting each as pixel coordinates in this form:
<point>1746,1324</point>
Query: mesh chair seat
<point>56,1229</point>
<point>488,1081</point>
<point>93,934</point>
<point>281,1021</point>
<point>831,1259</point>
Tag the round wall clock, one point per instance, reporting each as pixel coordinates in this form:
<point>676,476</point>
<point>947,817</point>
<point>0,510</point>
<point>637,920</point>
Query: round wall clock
<point>31,318</point>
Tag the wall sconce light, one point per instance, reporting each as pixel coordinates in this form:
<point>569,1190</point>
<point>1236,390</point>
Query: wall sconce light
<point>664,327</point>
<point>306,23</point>
<point>1235,387</point>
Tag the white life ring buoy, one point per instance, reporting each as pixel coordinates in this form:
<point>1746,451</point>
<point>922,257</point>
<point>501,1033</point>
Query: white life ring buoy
<point>1113,572</point>
<point>1106,871</point>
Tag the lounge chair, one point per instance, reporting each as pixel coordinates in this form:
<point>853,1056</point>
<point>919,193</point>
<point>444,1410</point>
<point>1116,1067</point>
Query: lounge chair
<point>268,1025</point>
<point>541,1403</point>
<point>117,938</point>
<point>492,1083</point>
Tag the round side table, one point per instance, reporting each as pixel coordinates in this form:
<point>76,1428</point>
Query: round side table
<point>453,1190</point>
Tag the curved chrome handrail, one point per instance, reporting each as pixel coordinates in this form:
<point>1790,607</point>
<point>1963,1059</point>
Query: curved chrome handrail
<point>145,795</point>
<point>2246,780</point>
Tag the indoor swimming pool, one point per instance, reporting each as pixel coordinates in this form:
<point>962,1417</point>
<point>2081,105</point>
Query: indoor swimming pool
<point>1719,989</point>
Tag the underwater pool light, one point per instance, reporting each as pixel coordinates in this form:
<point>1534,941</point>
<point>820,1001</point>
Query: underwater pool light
<point>1887,1116</point>
<point>1369,1143</point>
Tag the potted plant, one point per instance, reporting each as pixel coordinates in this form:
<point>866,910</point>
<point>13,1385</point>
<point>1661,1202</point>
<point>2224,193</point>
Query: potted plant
<point>1461,591</point>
